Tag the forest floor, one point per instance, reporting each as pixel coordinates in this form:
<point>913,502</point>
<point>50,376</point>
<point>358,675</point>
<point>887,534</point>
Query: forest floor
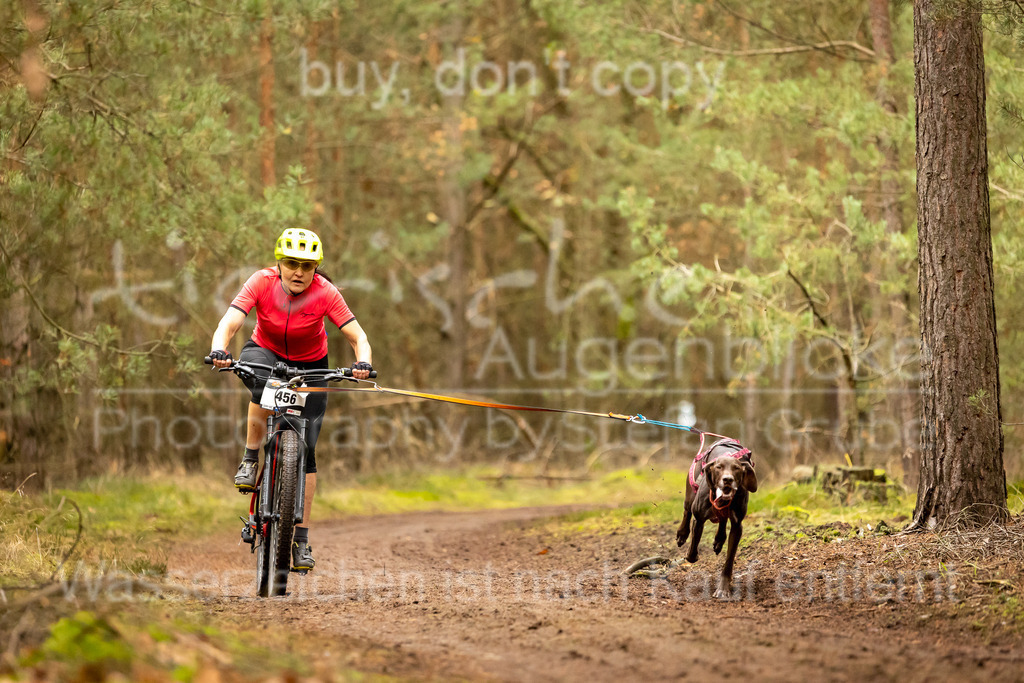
<point>539,593</point>
<point>516,595</point>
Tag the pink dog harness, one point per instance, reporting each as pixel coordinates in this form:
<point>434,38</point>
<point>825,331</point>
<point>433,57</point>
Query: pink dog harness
<point>698,462</point>
<point>718,512</point>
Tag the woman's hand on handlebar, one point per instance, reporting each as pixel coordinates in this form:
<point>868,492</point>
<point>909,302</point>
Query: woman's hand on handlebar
<point>361,369</point>
<point>220,358</point>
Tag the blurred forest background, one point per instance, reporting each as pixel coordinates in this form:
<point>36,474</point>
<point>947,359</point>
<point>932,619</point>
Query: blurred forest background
<point>700,211</point>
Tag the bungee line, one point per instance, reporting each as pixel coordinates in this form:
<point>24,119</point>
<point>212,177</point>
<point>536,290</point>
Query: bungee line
<point>636,419</point>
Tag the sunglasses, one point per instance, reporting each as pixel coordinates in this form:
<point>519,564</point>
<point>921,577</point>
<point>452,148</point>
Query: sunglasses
<point>293,264</point>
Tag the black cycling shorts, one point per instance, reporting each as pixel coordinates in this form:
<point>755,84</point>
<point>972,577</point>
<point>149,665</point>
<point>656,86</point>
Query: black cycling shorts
<point>316,404</point>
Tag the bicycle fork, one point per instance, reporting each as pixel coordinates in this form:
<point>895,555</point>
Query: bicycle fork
<point>261,507</point>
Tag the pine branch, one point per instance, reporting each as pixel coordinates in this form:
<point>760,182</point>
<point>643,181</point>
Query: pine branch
<point>66,332</point>
<point>807,296</point>
<point>829,47</point>
<point>1017,196</point>
<point>1012,113</point>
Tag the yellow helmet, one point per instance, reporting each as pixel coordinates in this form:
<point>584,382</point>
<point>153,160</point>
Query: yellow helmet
<point>299,243</point>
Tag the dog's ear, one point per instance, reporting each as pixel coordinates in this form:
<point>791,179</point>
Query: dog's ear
<point>749,478</point>
<point>705,468</point>
<point>705,476</point>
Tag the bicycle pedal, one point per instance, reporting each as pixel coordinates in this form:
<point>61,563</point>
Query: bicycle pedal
<point>248,532</point>
<point>300,571</point>
<point>245,490</point>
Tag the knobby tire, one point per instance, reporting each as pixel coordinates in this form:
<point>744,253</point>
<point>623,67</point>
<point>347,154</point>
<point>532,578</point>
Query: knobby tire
<point>279,543</point>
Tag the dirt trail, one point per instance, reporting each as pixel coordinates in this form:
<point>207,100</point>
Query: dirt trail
<point>493,595</point>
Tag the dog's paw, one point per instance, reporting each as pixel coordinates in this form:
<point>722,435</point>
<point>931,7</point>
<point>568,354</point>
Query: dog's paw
<point>680,540</point>
<point>724,591</point>
<point>717,547</point>
<point>691,557</point>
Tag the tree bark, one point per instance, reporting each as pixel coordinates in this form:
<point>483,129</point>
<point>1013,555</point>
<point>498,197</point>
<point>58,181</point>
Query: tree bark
<point>452,196</point>
<point>310,154</point>
<point>904,399</point>
<point>962,475</point>
<point>881,31</point>
<point>266,57</point>
<point>18,450</point>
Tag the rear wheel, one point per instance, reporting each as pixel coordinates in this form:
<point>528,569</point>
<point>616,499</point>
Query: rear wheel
<point>282,524</point>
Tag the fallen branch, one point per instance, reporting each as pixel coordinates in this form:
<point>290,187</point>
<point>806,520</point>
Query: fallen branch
<point>638,567</point>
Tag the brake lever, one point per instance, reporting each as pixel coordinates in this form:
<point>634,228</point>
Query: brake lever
<point>337,377</point>
<point>240,370</point>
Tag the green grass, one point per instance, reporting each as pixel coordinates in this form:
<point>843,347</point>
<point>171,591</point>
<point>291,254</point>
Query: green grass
<point>128,522</point>
<point>486,489</point>
<point>787,512</point>
<point>813,505</point>
<point>1015,497</point>
<point>637,498</point>
<point>782,509</point>
<point>124,522</point>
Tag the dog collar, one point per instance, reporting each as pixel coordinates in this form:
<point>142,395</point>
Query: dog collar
<point>718,513</point>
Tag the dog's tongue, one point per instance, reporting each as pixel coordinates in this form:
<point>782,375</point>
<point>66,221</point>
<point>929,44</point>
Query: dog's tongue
<point>723,495</point>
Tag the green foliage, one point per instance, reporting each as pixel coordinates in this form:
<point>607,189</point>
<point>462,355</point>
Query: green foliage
<point>99,194</point>
<point>85,638</point>
<point>771,198</point>
<point>175,642</point>
<point>982,403</point>
<point>797,219</point>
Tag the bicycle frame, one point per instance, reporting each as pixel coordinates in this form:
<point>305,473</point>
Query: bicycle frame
<point>267,523</point>
<point>283,418</point>
<point>275,424</point>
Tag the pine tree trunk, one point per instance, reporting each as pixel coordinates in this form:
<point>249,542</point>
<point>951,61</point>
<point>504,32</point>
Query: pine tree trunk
<point>18,450</point>
<point>961,442</point>
<point>266,60</point>
<point>904,399</point>
<point>310,153</point>
<point>339,161</point>
<point>453,204</point>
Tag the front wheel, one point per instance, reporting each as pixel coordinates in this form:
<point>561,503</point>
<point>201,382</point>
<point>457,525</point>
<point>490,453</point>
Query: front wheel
<point>284,478</point>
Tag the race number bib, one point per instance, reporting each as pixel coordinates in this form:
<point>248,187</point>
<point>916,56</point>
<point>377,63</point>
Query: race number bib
<point>277,394</point>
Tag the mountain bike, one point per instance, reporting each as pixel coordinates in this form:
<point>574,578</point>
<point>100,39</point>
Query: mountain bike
<point>276,505</point>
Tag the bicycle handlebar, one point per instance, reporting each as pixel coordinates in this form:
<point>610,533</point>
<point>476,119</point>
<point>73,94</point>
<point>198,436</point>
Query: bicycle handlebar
<point>285,371</point>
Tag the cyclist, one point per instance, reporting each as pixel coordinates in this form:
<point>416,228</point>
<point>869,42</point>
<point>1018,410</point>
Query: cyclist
<point>291,301</point>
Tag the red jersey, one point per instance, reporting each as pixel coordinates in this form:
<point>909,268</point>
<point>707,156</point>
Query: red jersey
<point>292,326</point>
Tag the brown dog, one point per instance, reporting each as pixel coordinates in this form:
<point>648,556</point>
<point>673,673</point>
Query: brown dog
<point>721,480</point>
